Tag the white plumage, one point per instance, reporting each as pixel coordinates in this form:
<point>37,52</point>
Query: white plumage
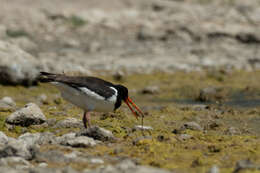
<point>87,99</point>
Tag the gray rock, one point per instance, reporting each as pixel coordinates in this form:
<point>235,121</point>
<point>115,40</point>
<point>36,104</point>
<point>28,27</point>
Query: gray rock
<point>64,138</point>
<point>97,133</point>
<point>38,138</point>
<point>52,156</point>
<point>81,141</point>
<point>3,138</point>
<point>126,166</point>
<point>17,148</point>
<point>69,123</point>
<point>24,43</point>
<point>23,69</point>
<point>232,131</point>
<point>96,161</point>
<point>7,101</point>
<point>15,162</point>
<point>31,114</point>
<point>191,126</point>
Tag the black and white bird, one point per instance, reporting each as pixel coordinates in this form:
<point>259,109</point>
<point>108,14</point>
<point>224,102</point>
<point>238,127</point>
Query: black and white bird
<point>90,93</point>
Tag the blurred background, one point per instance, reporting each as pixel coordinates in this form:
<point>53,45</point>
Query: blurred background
<point>95,36</point>
<point>192,66</point>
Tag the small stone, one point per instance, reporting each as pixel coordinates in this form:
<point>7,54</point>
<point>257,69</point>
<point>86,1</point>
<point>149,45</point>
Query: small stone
<point>69,123</point>
<point>244,164</point>
<point>214,169</point>
<point>150,90</point>
<point>43,164</point>
<point>3,138</point>
<point>51,121</point>
<point>191,126</point>
<point>31,114</point>
<point>43,99</point>
<point>140,127</point>
<point>97,133</point>
<point>96,161</point>
<point>184,137</point>
<point>210,94</point>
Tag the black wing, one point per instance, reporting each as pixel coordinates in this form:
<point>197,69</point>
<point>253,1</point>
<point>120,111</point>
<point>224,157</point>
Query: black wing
<point>99,86</point>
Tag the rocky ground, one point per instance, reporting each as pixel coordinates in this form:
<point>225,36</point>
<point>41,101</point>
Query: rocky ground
<point>192,66</point>
<point>194,122</point>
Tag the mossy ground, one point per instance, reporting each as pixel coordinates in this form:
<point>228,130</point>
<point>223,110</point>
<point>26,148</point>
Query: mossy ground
<point>166,111</point>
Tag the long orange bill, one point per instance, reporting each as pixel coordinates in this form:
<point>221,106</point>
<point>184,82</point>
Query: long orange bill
<point>135,106</point>
<point>127,101</point>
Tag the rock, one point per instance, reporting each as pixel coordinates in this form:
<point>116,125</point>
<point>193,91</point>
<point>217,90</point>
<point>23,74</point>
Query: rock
<point>81,141</point>
<point>42,99</point>
<point>3,138</point>
<point>24,68</point>
<point>15,162</point>
<point>126,166</point>
<point>38,138</point>
<point>64,138</point>
<point>17,148</point>
<point>245,164</point>
<point>52,170</point>
<point>43,165</point>
<point>7,101</point>
<point>150,90</point>
<point>51,121</point>
<point>96,161</point>
<point>69,123</point>
<point>97,133</point>
<point>184,137</point>
<point>191,126</point>
<point>214,169</point>
<point>140,127</point>
<point>31,114</point>
<point>51,156</point>
<point>210,94</point>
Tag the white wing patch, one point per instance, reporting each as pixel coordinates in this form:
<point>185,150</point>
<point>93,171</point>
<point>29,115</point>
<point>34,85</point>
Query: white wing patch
<point>91,93</point>
<point>114,96</point>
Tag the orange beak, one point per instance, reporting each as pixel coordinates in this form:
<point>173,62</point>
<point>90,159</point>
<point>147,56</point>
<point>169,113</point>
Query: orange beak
<point>127,101</point>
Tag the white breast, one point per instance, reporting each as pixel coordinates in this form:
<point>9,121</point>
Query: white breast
<point>87,99</point>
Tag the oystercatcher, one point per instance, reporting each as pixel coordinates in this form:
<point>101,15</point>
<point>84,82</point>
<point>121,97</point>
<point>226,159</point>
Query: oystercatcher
<point>90,93</point>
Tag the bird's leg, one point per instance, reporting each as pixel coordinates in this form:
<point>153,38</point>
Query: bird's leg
<point>86,119</point>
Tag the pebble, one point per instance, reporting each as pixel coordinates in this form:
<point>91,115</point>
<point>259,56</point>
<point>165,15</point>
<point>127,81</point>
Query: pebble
<point>140,127</point>
<point>214,169</point>
<point>191,126</point>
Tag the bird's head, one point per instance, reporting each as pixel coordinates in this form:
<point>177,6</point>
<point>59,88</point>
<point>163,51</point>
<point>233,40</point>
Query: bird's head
<point>123,93</point>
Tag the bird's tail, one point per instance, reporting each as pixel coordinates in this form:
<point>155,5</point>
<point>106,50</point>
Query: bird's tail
<point>46,77</point>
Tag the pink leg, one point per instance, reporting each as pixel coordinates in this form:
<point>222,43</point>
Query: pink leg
<point>86,119</point>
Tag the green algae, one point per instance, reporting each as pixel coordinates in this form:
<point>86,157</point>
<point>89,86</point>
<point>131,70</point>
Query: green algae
<point>163,111</point>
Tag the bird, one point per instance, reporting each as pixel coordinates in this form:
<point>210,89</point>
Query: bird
<point>91,94</point>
